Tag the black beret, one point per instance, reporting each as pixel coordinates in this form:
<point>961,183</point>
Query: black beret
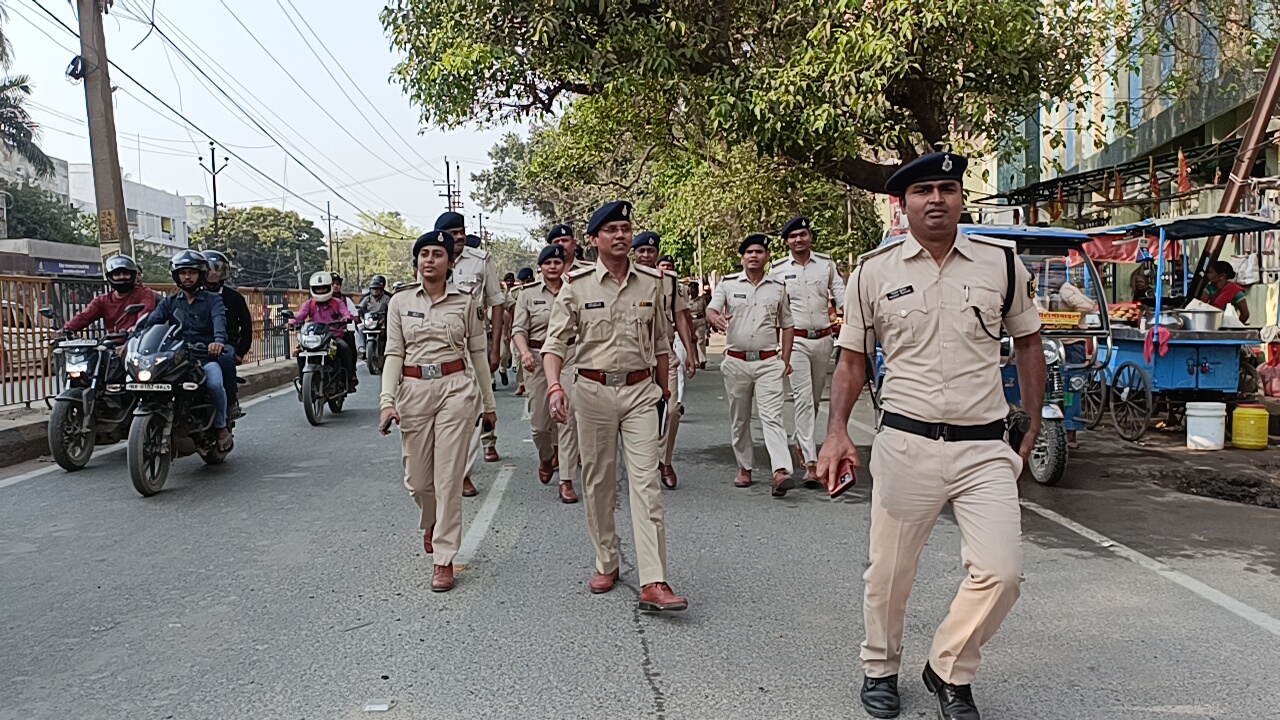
<point>550,252</point>
<point>579,254</point>
<point>525,274</point>
<point>667,259</point>
<point>609,212</point>
<point>558,232</point>
<point>794,224</point>
<point>508,277</point>
<point>646,239</point>
<point>934,166</point>
<point>753,239</point>
<point>437,238</point>
<point>450,221</point>
<point>473,241</point>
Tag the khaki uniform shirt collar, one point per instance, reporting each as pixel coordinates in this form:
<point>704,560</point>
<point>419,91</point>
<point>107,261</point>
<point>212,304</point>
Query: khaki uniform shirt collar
<point>912,247</point>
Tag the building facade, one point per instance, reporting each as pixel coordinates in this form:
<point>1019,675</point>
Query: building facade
<point>157,218</point>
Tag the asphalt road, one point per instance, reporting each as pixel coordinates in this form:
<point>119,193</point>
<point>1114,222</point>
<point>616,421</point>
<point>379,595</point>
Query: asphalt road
<point>290,583</point>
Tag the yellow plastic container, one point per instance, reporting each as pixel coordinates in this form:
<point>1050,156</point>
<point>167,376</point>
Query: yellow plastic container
<point>1249,427</point>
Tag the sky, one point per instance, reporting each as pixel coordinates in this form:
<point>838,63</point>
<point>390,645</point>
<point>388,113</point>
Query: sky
<point>378,161</point>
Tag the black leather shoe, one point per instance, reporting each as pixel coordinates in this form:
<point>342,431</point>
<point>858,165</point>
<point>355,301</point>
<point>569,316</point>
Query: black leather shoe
<point>880,696</point>
<point>955,702</point>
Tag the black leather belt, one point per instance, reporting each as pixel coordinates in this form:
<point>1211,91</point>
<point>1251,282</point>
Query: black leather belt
<point>942,431</point>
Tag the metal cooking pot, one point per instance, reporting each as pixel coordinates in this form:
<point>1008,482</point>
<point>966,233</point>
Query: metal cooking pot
<point>1201,320</point>
<point>1168,319</point>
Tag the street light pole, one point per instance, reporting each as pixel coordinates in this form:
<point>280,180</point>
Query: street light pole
<point>213,170</point>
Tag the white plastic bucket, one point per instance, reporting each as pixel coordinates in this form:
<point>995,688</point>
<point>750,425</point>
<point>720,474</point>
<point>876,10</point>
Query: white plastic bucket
<point>1206,425</point>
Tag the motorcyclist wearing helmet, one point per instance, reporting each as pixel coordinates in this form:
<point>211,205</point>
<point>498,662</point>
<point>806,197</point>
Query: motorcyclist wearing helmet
<point>121,273</point>
<point>325,307</point>
<point>239,325</point>
<point>202,318</point>
<point>374,301</point>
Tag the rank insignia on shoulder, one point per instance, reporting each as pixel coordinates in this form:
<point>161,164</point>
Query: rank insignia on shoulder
<point>1031,288</point>
<point>594,305</point>
<point>900,292</point>
<point>415,314</point>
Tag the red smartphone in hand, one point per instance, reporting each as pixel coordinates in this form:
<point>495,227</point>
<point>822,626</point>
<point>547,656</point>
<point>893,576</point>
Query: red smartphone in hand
<point>846,478</point>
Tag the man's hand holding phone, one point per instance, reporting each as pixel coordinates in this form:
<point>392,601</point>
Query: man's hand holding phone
<point>838,463</point>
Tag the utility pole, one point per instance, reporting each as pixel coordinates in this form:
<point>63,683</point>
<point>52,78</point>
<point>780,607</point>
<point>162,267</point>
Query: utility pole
<point>480,226</point>
<point>213,170</point>
<point>108,186</point>
<point>448,186</point>
<point>297,265</point>
<point>457,203</point>
<point>328,215</point>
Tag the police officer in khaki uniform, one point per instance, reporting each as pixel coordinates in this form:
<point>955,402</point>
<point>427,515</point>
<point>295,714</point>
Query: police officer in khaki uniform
<point>813,283</point>
<point>753,311</point>
<point>475,273</point>
<point>676,312</point>
<point>698,311</point>
<point>509,292</point>
<point>613,309</point>
<point>435,340</point>
<point>556,443</point>
<point>524,279</point>
<point>936,302</point>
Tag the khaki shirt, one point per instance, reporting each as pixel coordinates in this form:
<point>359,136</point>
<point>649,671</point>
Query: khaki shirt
<point>619,328</point>
<point>758,311</point>
<point>533,312</point>
<point>426,333</point>
<point>812,288</point>
<point>698,308</point>
<point>476,273</point>
<point>940,366</point>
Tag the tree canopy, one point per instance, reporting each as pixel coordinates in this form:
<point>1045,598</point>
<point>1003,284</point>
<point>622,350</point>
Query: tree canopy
<point>39,214</point>
<point>264,243</point>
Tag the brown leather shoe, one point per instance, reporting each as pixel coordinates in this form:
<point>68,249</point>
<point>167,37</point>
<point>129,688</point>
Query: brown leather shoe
<point>426,540</point>
<point>743,479</point>
<point>545,471</point>
<point>811,480</point>
<point>442,578</point>
<point>491,454</point>
<point>668,475</point>
<point>567,495</point>
<point>520,391</point>
<point>468,487</point>
<point>658,597</point>
<point>602,583</point>
<point>782,482</point>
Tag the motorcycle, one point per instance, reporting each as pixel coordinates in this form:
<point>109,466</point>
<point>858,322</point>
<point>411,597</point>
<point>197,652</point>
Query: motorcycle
<point>1063,389</point>
<point>373,325</point>
<point>94,406</point>
<point>176,411</point>
<point>323,379</point>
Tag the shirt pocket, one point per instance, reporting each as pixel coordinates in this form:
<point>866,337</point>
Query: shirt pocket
<point>539,318</point>
<point>641,317</point>
<point>448,326</point>
<point>905,320</point>
<point>981,315</point>
<point>597,324</point>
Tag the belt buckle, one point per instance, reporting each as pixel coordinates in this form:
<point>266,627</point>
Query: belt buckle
<point>431,371</point>
<point>753,356</point>
<point>615,379</point>
<point>944,433</point>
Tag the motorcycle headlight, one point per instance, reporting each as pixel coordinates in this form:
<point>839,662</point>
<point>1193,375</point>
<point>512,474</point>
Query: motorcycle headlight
<point>371,323</point>
<point>1053,351</point>
<point>144,375</point>
<point>310,342</point>
<point>77,364</point>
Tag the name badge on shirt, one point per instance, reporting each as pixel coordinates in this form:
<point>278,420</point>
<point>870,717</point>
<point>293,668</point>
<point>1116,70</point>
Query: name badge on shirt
<point>644,303</point>
<point>594,305</point>
<point>789,277</point>
<point>539,302</point>
<point>900,292</point>
<point>740,295</point>
<point>414,314</point>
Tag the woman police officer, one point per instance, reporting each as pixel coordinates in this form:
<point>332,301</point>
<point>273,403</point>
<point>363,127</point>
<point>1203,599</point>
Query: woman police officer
<point>434,335</point>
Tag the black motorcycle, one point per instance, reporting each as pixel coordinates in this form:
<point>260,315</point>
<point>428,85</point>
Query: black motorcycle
<point>94,406</point>
<point>176,411</point>
<point>374,327</point>
<point>323,379</point>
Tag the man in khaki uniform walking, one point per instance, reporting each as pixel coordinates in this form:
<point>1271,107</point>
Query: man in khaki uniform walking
<point>813,283</point>
<point>753,311</point>
<point>698,311</point>
<point>614,310</point>
<point>936,302</point>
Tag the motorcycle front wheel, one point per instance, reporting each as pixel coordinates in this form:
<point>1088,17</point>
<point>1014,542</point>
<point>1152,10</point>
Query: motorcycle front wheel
<point>1049,455</point>
<point>313,397</point>
<point>149,454</point>
<point>371,357</point>
<point>70,445</point>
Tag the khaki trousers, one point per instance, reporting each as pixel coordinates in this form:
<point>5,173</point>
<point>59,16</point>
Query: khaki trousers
<point>700,332</point>
<point>810,361</point>
<point>632,411</point>
<point>675,381</point>
<point>914,478</point>
<point>760,380</point>
<point>547,433</point>
<point>436,417</point>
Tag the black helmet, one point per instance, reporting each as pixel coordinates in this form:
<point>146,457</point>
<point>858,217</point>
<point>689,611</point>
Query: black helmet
<point>189,260</point>
<point>337,278</point>
<point>377,281</point>
<point>116,264</point>
<point>218,263</point>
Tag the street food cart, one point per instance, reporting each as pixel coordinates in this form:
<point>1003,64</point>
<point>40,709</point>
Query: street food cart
<point>1167,355</point>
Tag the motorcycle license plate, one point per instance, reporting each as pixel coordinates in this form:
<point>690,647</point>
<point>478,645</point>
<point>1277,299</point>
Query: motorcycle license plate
<point>149,387</point>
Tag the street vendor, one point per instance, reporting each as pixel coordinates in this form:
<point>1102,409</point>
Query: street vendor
<point>1140,283</point>
<point>1224,291</point>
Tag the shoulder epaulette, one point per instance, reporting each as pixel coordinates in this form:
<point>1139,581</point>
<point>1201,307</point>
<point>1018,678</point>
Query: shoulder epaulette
<point>997,242</point>
<point>734,276</point>
<point>878,251</point>
<point>477,252</point>
<point>824,256</point>
<point>579,273</point>
<point>651,272</point>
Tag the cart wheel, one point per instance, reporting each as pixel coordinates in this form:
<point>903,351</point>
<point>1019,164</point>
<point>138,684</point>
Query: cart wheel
<point>1131,402</point>
<point>1250,382</point>
<point>1093,402</point>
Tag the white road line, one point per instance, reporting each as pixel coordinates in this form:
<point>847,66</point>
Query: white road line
<point>480,526</point>
<point>98,452</point>
<point>1217,597</point>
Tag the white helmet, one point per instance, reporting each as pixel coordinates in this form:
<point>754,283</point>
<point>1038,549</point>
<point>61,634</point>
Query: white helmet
<point>322,286</point>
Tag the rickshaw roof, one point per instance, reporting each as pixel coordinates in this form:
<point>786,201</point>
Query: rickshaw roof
<point>1191,227</point>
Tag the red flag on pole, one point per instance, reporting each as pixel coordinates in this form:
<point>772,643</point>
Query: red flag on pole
<point>1155,179</point>
<point>1058,206</point>
<point>1184,174</point>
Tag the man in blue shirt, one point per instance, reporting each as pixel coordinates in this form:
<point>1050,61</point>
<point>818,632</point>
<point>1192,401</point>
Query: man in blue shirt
<point>203,319</point>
